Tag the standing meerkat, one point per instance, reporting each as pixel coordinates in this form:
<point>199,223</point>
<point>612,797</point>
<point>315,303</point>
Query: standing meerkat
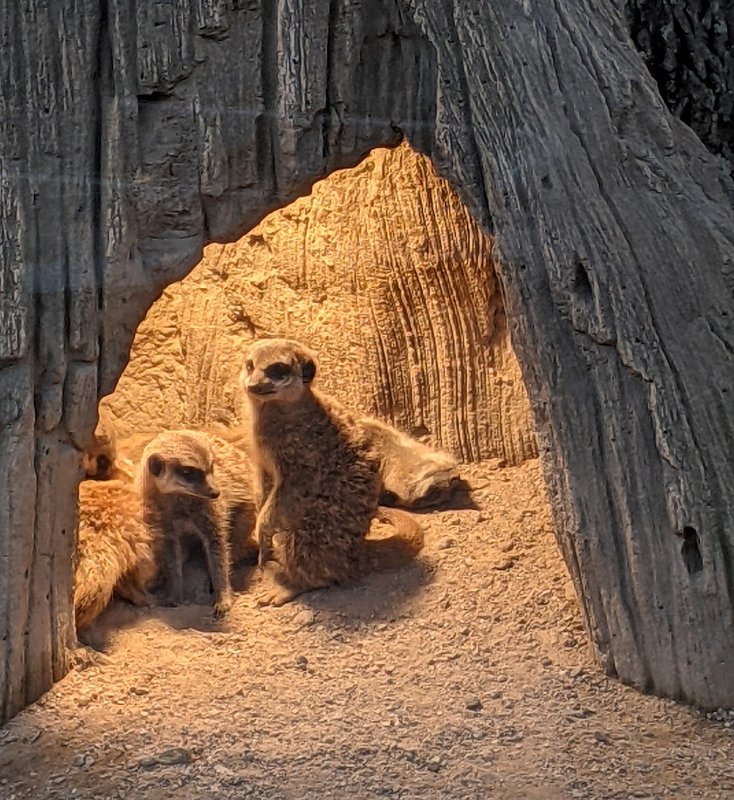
<point>115,551</point>
<point>413,474</point>
<point>195,485</point>
<point>317,480</point>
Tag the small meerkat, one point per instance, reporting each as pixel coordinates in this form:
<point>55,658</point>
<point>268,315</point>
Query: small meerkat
<point>115,551</point>
<point>317,479</point>
<point>99,458</point>
<point>413,474</point>
<point>195,485</point>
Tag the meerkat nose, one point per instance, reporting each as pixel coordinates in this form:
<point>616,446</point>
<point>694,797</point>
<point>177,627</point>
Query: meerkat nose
<point>261,388</point>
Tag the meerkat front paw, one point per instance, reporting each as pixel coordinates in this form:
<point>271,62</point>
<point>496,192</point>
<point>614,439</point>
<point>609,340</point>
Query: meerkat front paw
<point>271,592</point>
<point>82,657</point>
<point>274,595</point>
<point>265,548</point>
<point>223,605</point>
<point>151,600</point>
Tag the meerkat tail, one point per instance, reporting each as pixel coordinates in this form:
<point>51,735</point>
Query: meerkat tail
<point>397,550</point>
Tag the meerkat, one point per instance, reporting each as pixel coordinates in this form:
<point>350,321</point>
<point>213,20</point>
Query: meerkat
<point>196,485</point>
<point>413,475</point>
<point>115,552</point>
<point>316,477</point>
<point>99,458</point>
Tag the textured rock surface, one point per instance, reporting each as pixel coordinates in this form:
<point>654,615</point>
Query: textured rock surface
<point>132,134</point>
<point>688,46</point>
<point>385,274</point>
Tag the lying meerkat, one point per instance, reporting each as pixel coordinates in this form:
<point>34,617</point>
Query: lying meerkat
<point>317,479</point>
<point>413,475</point>
<point>116,550</point>
<point>195,485</point>
<point>99,458</point>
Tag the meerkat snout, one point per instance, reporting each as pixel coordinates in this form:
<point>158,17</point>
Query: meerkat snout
<point>211,490</point>
<point>268,379</point>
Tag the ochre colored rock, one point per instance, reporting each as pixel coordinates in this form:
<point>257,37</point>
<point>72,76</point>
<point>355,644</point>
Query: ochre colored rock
<point>382,271</point>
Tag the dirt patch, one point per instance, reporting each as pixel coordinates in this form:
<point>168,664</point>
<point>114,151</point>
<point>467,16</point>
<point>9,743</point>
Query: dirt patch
<point>466,676</point>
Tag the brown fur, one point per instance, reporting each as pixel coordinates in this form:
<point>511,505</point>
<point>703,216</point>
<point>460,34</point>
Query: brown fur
<point>196,485</point>
<point>316,476</point>
<point>115,550</point>
<point>415,475</point>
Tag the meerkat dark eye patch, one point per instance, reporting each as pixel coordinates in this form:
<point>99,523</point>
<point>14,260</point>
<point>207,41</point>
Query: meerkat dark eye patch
<point>191,474</point>
<point>308,371</point>
<point>155,465</point>
<point>103,462</point>
<point>278,371</point>
<point>249,366</point>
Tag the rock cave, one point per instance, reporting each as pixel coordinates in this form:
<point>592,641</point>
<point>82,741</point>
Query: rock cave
<point>566,235</point>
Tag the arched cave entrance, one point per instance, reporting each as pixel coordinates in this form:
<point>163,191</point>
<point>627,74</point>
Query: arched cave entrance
<point>615,230</point>
<point>385,274</point>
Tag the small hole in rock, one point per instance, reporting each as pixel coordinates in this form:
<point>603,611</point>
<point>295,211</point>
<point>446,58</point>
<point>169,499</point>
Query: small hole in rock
<point>690,550</point>
<point>581,283</point>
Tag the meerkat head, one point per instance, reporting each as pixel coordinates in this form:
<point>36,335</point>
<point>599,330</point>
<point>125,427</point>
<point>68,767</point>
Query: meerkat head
<point>98,463</point>
<point>99,459</point>
<point>277,370</point>
<point>180,463</point>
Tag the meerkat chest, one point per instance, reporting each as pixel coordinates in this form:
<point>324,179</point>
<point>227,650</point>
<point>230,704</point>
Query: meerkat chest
<point>265,458</point>
<point>189,516</point>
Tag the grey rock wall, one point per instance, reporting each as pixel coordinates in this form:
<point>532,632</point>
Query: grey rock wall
<point>132,134</point>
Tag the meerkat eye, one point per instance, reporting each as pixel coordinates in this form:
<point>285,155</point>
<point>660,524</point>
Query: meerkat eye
<point>276,372</point>
<point>249,366</point>
<point>103,462</point>
<point>308,371</point>
<point>155,465</point>
<point>190,474</point>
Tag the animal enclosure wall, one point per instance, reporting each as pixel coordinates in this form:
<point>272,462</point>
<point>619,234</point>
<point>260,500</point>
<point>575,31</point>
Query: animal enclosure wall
<point>384,273</point>
<point>135,134</point>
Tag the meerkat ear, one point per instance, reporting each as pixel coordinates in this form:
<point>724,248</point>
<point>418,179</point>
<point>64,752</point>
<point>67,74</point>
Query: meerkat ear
<point>155,465</point>
<point>308,370</point>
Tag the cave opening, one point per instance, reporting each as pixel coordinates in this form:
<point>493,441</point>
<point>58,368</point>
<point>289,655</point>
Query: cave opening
<point>384,274</point>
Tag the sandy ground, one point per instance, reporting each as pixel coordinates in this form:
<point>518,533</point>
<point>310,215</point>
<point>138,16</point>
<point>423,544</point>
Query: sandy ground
<point>465,676</point>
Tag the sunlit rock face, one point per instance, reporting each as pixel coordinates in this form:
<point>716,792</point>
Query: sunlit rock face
<point>384,273</point>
